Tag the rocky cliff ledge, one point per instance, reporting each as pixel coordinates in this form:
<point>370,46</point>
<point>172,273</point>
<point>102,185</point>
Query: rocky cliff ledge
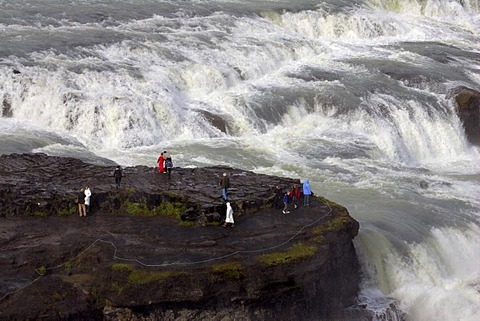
<point>154,248</point>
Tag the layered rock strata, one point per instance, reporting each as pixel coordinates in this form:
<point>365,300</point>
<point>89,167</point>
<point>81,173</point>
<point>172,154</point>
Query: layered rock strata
<point>154,248</point>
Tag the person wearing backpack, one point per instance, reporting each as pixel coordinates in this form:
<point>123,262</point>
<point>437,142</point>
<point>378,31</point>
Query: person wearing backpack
<point>118,174</point>
<point>168,164</point>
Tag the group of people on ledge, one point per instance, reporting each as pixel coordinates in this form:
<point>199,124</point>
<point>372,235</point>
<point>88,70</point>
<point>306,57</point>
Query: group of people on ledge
<point>282,197</point>
<point>292,195</point>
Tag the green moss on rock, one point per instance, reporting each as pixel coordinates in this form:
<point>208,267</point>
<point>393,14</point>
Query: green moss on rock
<point>332,225</point>
<point>136,276</point>
<point>187,223</point>
<point>170,209</point>
<point>145,277</point>
<point>121,267</point>
<point>68,211</point>
<point>295,253</point>
<point>117,288</point>
<point>138,209</point>
<point>81,278</point>
<point>40,214</point>
<point>229,270</point>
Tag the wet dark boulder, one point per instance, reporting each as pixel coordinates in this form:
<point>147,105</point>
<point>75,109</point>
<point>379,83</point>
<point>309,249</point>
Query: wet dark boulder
<point>468,110</point>
<point>154,248</point>
<point>215,120</point>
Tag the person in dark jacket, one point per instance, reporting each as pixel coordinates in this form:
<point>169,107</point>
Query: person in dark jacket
<point>277,201</point>
<point>169,166</point>
<point>81,203</point>
<point>118,174</point>
<point>168,163</point>
<point>285,203</point>
<point>225,185</point>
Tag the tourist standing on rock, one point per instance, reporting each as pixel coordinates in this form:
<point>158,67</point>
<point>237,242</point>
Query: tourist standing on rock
<point>306,192</point>
<point>229,217</point>
<point>118,174</point>
<point>168,163</point>
<point>160,162</point>
<point>295,195</point>
<point>169,166</point>
<point>225,185</point>
<point>81,203</point>
<point>285,203</point>
<point>277,201</point>
<point>87,193</point>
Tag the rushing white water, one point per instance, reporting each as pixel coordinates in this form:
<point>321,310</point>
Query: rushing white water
<point>353,95</point>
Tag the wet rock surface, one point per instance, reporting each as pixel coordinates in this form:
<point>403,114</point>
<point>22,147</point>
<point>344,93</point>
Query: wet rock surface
<point>468,110</point>
<point>130,259</point>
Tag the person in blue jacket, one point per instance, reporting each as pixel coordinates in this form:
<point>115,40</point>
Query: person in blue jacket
<point>285,203</point>
<point>306,192</point>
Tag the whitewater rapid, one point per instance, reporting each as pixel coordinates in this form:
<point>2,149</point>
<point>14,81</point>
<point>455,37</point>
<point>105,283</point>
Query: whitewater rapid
<point>354,95</point>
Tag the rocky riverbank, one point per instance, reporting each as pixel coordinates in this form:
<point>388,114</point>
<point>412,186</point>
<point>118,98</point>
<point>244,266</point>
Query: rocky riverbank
<point>154,248</point>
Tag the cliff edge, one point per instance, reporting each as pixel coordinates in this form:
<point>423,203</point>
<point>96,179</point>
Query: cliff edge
<point>154,248</point>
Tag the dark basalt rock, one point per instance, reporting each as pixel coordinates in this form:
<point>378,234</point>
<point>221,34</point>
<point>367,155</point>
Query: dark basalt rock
<point>131,259</point>
<point>215,120</point>
<point>468,110</point>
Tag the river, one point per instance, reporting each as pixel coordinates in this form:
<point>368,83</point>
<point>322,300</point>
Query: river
<point>354,95</point>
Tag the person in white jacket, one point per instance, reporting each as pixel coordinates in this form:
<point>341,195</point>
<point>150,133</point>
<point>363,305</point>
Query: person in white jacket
<point>229,217</point>
<point>88,193</point>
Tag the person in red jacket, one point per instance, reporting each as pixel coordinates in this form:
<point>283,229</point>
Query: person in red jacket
<point>160,162</point>
<point>295,195</point>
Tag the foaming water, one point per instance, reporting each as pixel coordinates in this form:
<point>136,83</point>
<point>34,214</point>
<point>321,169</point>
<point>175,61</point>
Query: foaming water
<point>442,271</point>
<point>388,21</point>
<point>437,278</point>
<point>352,95</point>
<point>129,93</point>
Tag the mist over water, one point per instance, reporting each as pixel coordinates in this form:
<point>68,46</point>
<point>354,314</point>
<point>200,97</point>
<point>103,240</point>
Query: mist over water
<point>354,95</point>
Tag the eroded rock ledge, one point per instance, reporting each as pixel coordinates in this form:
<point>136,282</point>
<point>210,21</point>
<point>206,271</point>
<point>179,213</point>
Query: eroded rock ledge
<point>153,249</point>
